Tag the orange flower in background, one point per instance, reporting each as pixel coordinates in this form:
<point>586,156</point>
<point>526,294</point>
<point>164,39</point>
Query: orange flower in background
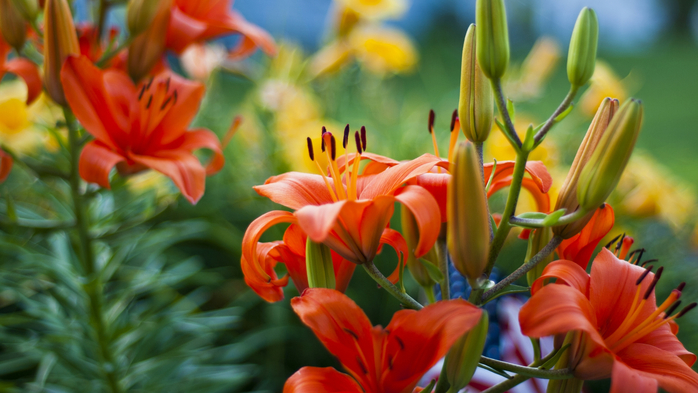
<point>579,247</point>
<point>5,165</point>
<point>623,334</point>
<point>23,68</point>
<point>139,127</point>
<point>390,360</point>
<point>200,20</point>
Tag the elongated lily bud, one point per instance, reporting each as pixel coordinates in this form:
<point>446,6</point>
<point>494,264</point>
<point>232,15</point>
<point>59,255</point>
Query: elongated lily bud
<point>468,216</point>
<point>492,37</point>
<point>60,41</point>
<point>28,8</point>
<point>411,234</point>
<point>567,198</point>
<point>140,15</point>
<point>12,24</point>
<point>149,46</point>
<point>463,357</point>
<point>602,173</point>
<point>536,242</point>
<point>476,105</point>
<point>318,262</point>
<point>581,57</point>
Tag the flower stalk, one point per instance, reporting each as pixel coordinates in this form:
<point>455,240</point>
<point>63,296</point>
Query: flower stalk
<point>383,281</point>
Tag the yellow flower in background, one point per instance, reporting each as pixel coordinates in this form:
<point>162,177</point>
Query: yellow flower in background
<point>153,182</point>
<point>650,190</point>
<point>330,58</point>
<point>528,81</point>
<point>383,50</point>
<point>375,9</point>
<point>604,83</point>
<point>22,126</point>
<point>200,60</point>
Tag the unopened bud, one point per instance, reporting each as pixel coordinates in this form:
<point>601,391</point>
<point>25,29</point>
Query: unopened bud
<point>581,57</point>
<point>463,357</point>
<point>602,173</point>
<point>140,15</point>
<point>28,8</point>
<point>492,37</point>
<point>60,41</point>
<point>567,198</point>
<point>468,216</point>
<point>410,232</point>
<point>149,46</point>
<point>318,262</point>
<point>536,242</point>
<point>476,105</point>
<point>12,25</point>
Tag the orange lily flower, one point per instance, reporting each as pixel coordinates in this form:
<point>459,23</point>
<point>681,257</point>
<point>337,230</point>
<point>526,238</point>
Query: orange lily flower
<point>390,360</point>
<point>201,20</point>
<point>139,127</point>
<point>622,332</point>
<point>347,211</point>
<point>23,68</point>
<point>5,165</point>
<point>579,247</point>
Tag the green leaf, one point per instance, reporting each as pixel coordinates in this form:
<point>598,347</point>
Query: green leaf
<point>511,110</point>
<point>553,217</point>
<point>564,113</point>
<point>433,271</point>
<point>508,290</point>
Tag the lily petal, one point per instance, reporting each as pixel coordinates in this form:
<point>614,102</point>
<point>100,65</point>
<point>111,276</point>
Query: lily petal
<point>321,380</point>
<point>317,221</point>
<point>253,37</point>
<point>182,167</point>
<point>96,162</point>
<point>567,272</point>
<point>183,30</point>
<point>28,71</point>
<point>581,246</point>
<point>395,240</point>
<point>387,181</point>
<point>175,122</point>
<point>203,138</point>
<point>414,341</point>
<point>437,185</point>
<point>343,329</point>
<point>541,198</point>
<point>651,365</point>
<point>295,190</point>
<point>269,290</point>
<point>626,379</point>
<point>427,214</point>
<point>254,232</point>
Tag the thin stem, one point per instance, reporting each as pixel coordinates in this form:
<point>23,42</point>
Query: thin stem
<point>536,223</point>
<point>504,226</point>
<point>102,62</point>
<point>377,276</point>
<point>94,286</point>
<point>502,107</point>
<point>551,121</point>
<point>442,254</point>
<point>519,378</point>
<point>525,268</point>
<point>101,18</point>
<point>531,372</point>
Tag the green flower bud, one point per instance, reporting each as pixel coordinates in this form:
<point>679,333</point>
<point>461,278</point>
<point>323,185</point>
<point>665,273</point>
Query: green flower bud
<point>468,217</point>
<point>140,15</point>
<point>463,357</point>
<point>602,173</point>
<point>149,46</point>
<point>476,105</point>
<point>536,241</point>
<point>60,41</point>
<point>492,37</point>
<point>581,58</point>
<point>12,25</point>
<point>411,234</point>
<point>318,262</point>
<point>28,8</point>
<point>567,197</point>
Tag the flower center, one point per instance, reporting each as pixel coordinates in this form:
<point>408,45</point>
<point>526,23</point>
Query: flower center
<point>634,327</point>
<point>340,175</point>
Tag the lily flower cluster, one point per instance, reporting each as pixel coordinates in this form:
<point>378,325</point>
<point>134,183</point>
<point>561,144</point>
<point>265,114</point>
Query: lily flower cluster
<point>605,324</point>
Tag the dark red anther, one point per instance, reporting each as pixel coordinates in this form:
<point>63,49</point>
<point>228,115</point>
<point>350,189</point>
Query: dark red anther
<point>346,137</point>
<point>654,282</point>
<point>644,274</point>
<point>140,95</point>
<point>686,309</point>
<point>613,241</point>
<point>357,139</point>
<point>322,139</point>
<point>649,261</point>
<point>333,146</point>
<point>454,116</point>
<point>432,118</point>
<point>150,101</point>
<point>672,309</point>
<point>363,137</point>
<point>311,153</point>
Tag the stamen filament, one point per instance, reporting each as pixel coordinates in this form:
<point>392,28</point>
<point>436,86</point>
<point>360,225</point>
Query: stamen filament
<point>330,152</point>
<point>311,153</point>
<point>355,169</point>
<point>649,321</point>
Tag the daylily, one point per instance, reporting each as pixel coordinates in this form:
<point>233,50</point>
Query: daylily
<point>139,127</point>
<point>347,211</point>
<point>622,333</point>
<point>390,360</point>
<point>202,20</point>
<point>23,68</point>
<point>579,247</point>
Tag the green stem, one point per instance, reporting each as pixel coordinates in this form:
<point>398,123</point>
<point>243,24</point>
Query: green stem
<point>94,285</point>
<point>531,372</point>
<point>442,254</point>
<point>551,121</point>
<point>442,385</point>
<point>519,378</point>
<point>102,62</point>
<point>377,276</point>
<point>502,107</point>
<point>101,18</point>
<point>525,268</point>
